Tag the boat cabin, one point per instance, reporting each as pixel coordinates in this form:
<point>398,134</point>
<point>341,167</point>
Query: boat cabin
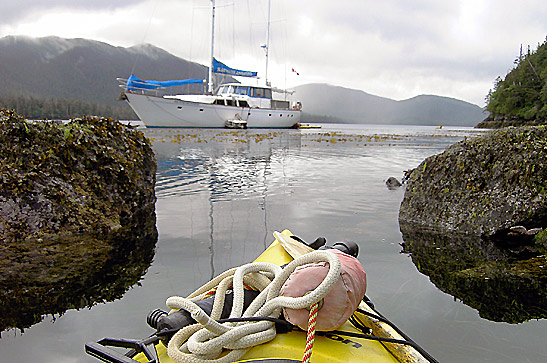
<point>240,95</point>
<point>251,91</point>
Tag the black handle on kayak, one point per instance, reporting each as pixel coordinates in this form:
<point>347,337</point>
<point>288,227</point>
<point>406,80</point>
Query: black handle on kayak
<point>101,350</point>
<point>348,247</point>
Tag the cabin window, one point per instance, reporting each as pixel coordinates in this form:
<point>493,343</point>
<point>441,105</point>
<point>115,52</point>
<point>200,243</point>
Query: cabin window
<point>230,103</point>
<point>258,92</point>
<point>243,103</point>
<point>241,90</point>
<point>261,92</point>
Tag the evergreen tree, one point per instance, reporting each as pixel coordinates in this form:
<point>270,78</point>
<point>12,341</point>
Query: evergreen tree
<point>523,92</point>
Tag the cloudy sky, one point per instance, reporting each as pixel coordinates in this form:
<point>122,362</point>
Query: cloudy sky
<point>391,48</point>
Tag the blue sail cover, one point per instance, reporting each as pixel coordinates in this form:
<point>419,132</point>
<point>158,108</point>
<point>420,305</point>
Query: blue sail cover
<point>134,83</point>
<point>219,67</point>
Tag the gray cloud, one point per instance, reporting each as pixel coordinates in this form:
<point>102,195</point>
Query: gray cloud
<point>14,11</point>
<point>423,43</point>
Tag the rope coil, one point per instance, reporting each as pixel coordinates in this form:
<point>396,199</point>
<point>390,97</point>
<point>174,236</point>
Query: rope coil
<point>207,340</point>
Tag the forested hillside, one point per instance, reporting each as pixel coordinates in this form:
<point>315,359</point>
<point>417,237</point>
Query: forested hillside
<point>522,93</point>
<point>38,108</point>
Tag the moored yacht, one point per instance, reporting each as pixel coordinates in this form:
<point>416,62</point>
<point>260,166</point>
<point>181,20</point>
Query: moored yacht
<point>233,105</point>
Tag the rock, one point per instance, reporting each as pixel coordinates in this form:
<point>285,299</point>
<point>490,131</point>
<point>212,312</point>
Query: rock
<point>540,241</point>
<point>482,186</point>
<point>77,214</point>
<point>522,231</point>
<point>496,122</point>
<point>473,218</point>
<point>393,183</point>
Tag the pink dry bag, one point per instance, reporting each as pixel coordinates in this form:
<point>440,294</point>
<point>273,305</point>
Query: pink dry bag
<point>338,304</point>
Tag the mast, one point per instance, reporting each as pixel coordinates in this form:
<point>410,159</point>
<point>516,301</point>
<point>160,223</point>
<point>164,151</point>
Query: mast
<point>267,48</point>
<point>210,85</point>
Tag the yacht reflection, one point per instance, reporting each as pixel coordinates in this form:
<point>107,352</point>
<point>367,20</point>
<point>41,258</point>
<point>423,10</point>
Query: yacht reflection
<point>501,287</point>
<point>231,166</point>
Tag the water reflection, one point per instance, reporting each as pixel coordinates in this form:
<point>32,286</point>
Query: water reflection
<point>307,182</point>
<point>229,164</point>
<point>73,272</point>
<point>229,190</point>
<point>220,168</point>
<point>487,278</point>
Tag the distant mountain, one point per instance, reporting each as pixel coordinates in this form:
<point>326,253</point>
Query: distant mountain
<point>82,69</point>
<point>86,70</point>
<point>338,104</point>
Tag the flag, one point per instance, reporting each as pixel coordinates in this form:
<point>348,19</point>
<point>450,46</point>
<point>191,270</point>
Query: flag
<point>295,72</point>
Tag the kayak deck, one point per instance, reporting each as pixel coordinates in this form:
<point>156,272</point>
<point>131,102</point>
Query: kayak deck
<point>351,342</point>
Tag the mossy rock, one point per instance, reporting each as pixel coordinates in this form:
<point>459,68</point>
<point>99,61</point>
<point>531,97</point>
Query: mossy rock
<point>541,241</point>
<point>77,214</point>
<point>457,215</point>
<point>483,185</point>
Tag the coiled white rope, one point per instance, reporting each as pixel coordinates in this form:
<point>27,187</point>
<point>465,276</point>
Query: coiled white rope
<point>207,340</point>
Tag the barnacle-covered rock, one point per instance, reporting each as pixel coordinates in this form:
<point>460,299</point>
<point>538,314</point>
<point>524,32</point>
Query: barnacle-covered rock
<point>473,219</point>
<point>77,214</point>
<point>482,186</point>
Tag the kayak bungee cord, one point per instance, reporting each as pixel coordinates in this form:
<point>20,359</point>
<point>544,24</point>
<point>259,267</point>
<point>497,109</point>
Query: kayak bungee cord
<point>406,339</point>
<point>206,340</point>
<point>366,333</point>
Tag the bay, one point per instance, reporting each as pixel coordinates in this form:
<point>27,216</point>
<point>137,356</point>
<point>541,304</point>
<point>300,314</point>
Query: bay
<point>222,193</point>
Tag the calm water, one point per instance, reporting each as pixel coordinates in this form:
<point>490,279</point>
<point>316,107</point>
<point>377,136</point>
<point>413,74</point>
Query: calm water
<point>221,194</point>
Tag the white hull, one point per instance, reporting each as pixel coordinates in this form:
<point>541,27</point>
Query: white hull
<point>169,112</point>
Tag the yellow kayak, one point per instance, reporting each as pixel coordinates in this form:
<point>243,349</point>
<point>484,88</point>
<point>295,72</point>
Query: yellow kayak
<point>366,337</point>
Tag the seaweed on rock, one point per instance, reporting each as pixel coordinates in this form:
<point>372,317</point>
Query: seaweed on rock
<point>470,219</point>
<point>482,186</point>
<point>77,214</point>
